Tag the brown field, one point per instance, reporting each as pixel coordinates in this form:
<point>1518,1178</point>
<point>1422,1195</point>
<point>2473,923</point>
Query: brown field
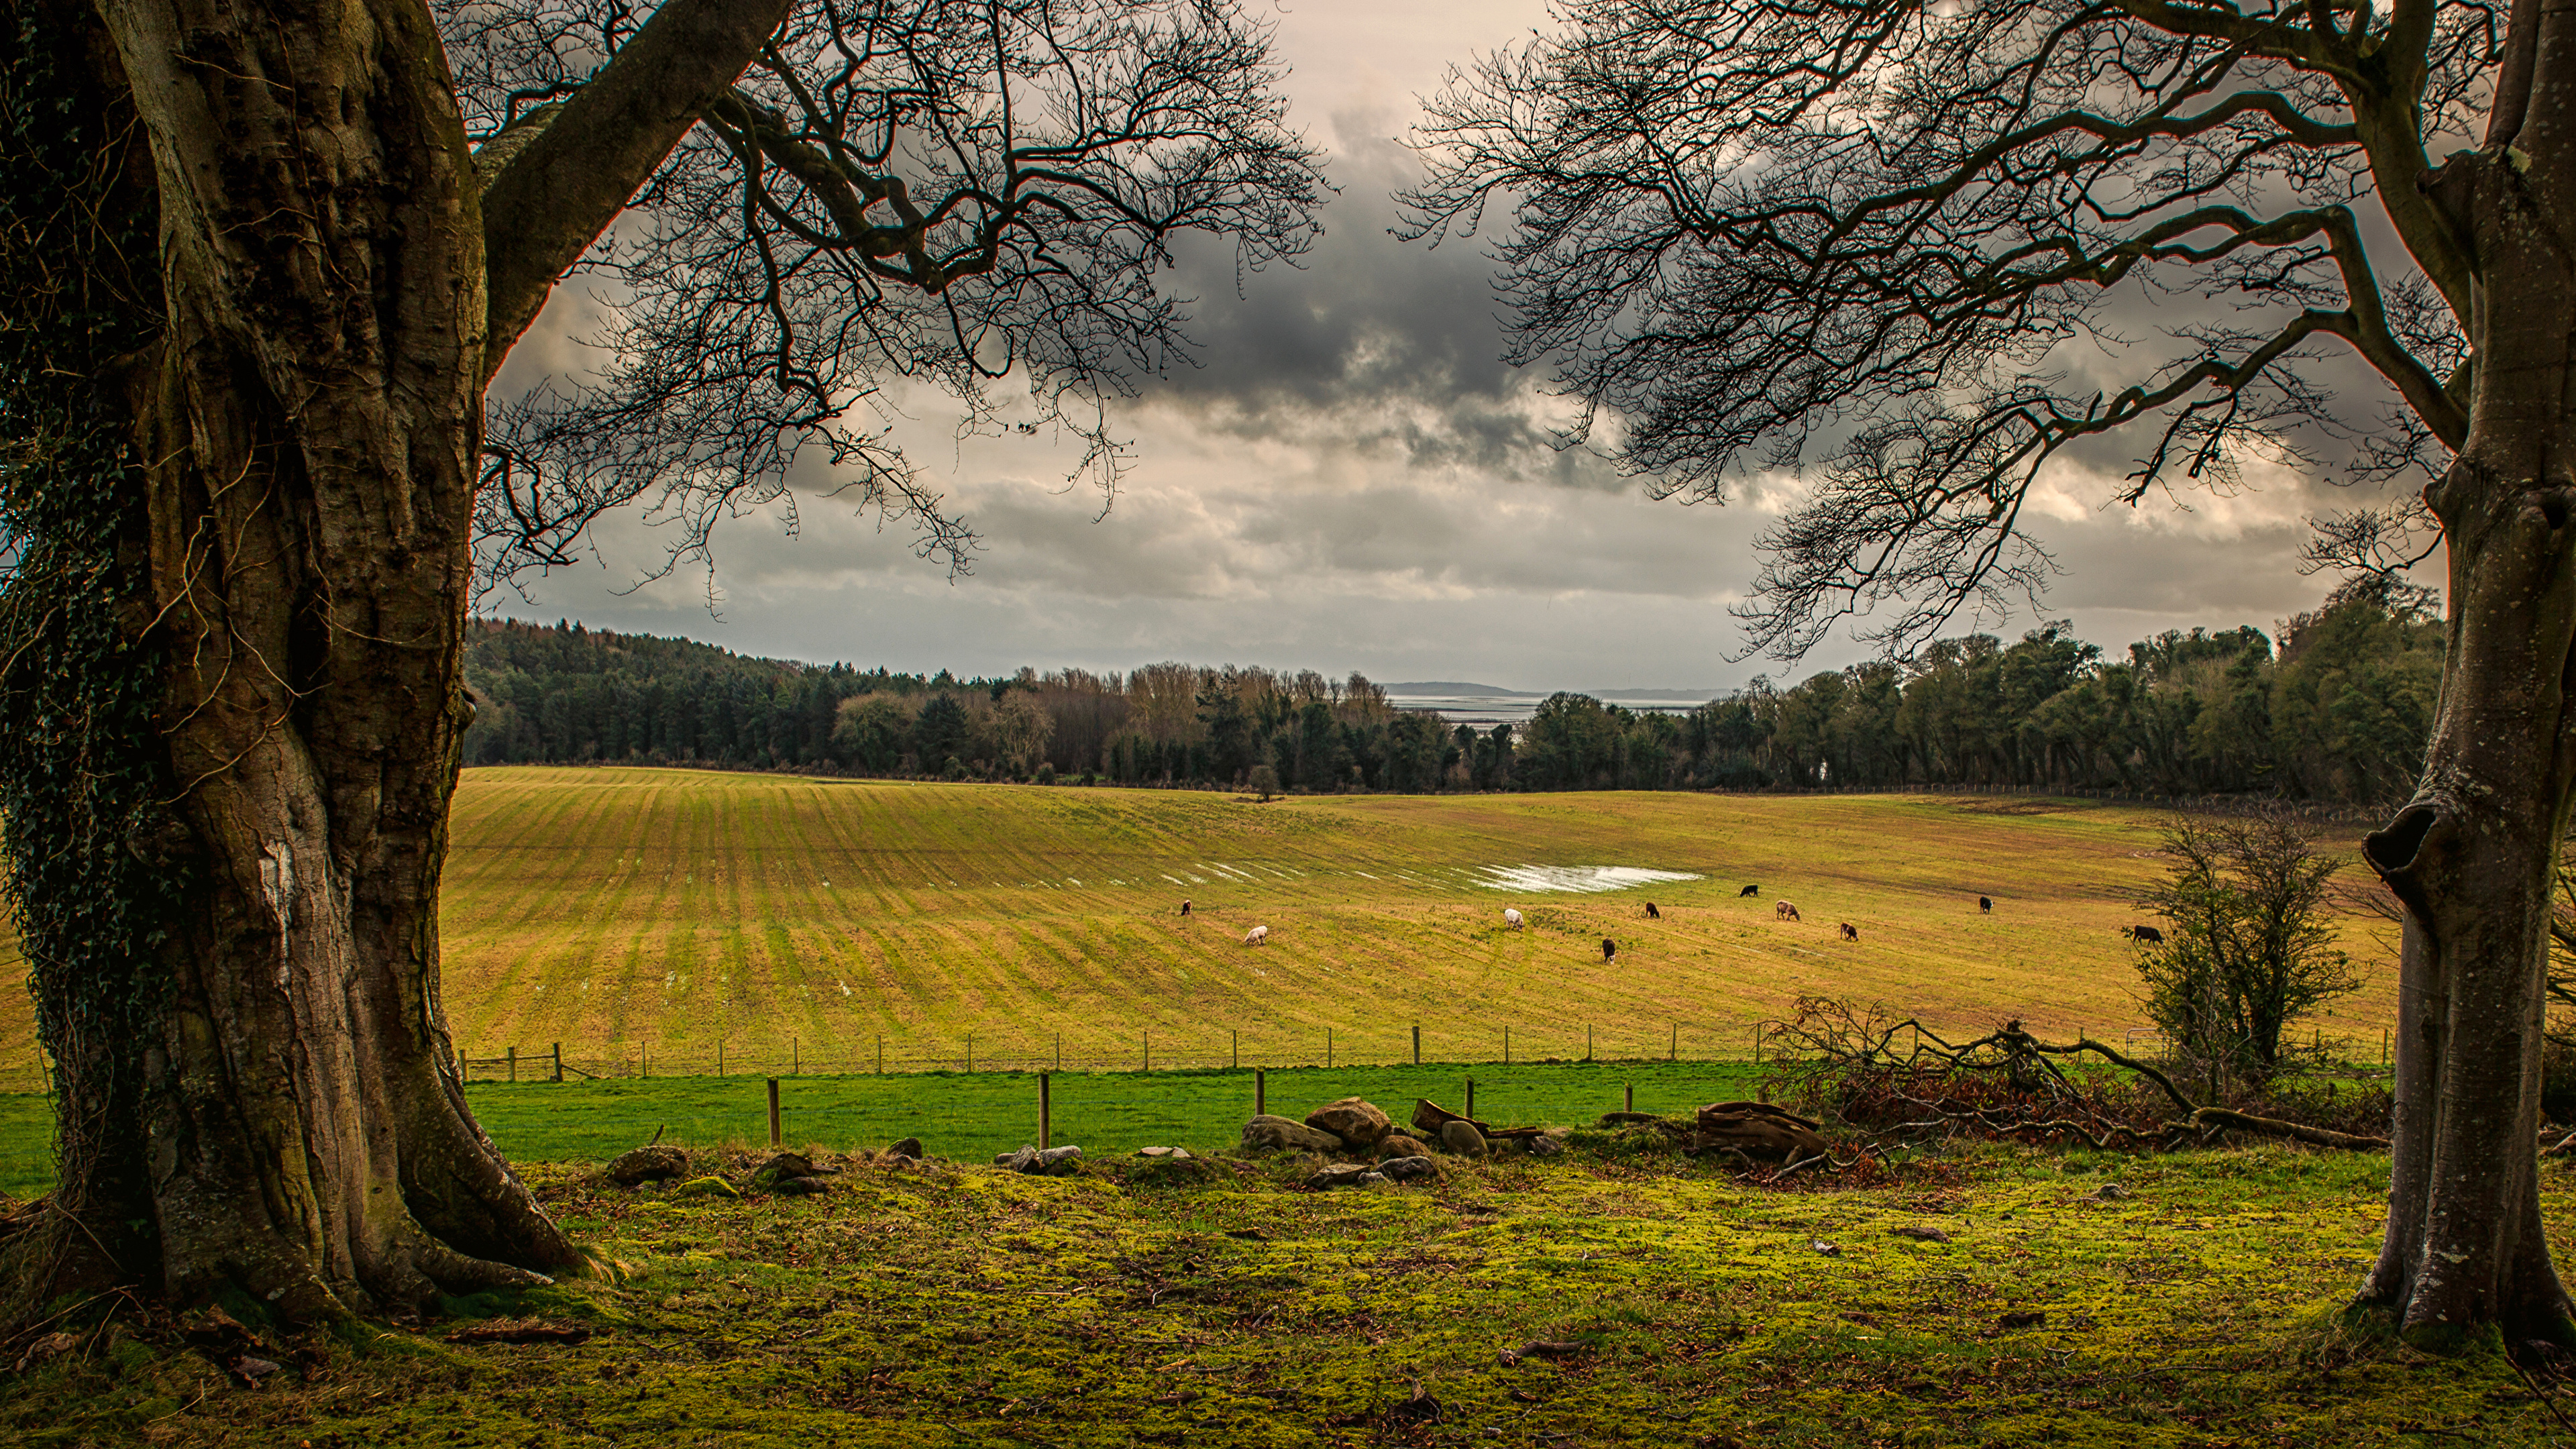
<point>619,911</point>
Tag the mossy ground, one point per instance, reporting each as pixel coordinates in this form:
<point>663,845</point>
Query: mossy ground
<point>959,1305</point>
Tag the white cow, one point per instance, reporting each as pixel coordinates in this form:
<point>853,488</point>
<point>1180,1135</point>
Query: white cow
<point>1511,918</point>
<point>1256,936</point>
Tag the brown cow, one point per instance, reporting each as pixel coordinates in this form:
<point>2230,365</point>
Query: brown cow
<point>2144,935</point>
<point>1751,890</point>
<point>1185,908</point>
<point>1850,932</point>
<point>1651,913</point>
<point>1609,950</point>
<point>1783,911</point>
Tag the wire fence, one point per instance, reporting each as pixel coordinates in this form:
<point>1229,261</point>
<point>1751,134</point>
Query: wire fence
<point>1187,1051</point>
<point>1151,1052</point>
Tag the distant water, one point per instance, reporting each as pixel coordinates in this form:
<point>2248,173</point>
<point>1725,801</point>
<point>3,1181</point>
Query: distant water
<point>1513,709</point>
<point>1580,879</point>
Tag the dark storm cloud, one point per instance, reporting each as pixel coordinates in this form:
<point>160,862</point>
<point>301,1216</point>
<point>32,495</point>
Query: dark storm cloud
<point>1351,478</point>
<point>1370,326</point>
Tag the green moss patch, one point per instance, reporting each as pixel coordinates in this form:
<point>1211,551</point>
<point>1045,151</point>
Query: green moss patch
<point>2079,1299</point>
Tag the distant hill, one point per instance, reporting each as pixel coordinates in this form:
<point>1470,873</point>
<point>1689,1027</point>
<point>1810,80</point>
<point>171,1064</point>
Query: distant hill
<point>1450,687</point>
<point>1456,689</point>
<point>1655,693</point>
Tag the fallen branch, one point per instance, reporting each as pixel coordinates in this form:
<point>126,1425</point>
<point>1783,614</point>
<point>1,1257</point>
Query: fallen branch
<point>2274,1127</point>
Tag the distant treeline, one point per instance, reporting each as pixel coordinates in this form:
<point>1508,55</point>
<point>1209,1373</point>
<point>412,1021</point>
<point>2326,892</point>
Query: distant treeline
<point>2338,712</point>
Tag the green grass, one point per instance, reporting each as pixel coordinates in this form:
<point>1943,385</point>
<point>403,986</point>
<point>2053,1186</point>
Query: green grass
<point>947,1305</point>
<point>972,1117</point>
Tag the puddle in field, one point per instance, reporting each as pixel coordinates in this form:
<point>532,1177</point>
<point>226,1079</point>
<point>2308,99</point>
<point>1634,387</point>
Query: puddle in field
<point>1578,879</point>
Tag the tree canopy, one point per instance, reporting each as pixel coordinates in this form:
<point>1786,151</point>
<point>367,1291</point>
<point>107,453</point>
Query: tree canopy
<point>960,203</point>
<point>1926,251</point>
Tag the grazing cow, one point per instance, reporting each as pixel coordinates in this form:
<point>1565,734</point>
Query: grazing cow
<point>1185,908</point>
<point>1609,950</point>
<point>1651,913</point>
<point>1751,890</point>
<point>2144,935</point>
<point>1511,918</point>
<point>1985,903</point>
<point>1783,911</point>
<point>1258,935</point>
<point>1850,933</point>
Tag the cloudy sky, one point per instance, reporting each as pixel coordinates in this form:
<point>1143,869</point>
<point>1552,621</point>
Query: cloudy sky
<point>1353,481</point>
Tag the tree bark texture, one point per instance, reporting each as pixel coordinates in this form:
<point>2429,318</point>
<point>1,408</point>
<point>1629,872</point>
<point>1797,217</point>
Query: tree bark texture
<point>308,424</point>
<point>2472,855</point>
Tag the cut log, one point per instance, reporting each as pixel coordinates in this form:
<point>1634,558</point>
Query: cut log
<point>1757,1129</point>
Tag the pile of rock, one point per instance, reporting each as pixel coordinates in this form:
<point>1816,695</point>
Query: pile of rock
<point>1351,1127</point>
<point>1354,1128</point>
<point>787,1174</point>
<point>1042,1162</point>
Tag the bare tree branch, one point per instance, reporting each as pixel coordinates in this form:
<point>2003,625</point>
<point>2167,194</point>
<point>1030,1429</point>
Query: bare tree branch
<point>1886,247</point>
<point>563,181</point>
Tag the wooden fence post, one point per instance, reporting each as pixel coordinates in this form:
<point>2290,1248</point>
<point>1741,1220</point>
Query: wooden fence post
<point>514,1064</point>
<point>644,1060</point>
<point>1631,1105</point>
<point>795,1057</point>
<point>880,1054</point>
<point>1471,1099</point>
<point>773,1112</point>
<point>1328,1046</point>
<point>558,1061</point>
<point>1677,1042</point>
<point>1260,1092</point>
<point>1417,1043</point>
<point>1046,1123</point>
<point>1507,1046</point>
<point>1149,1051</point>
<point>1587,1043</point>
<point>970,1053</point>
<point>720,1071</point>
<point>1238,1049</point>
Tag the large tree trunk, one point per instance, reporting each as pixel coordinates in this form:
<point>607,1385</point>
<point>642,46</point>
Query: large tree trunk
<point>307,424</point>
<point>2473,855</point>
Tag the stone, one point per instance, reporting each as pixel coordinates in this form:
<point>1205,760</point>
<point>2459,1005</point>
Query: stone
<point>1409,1169</point>
<point>1294,1136</point>
<point>1178,1169</point>
<point>1352,1119</point>
<point>1395,1146</point>
<point>1343,1174</point>
<point>1758,1129</point>
<point>1429,1117</point>
<point>1545,1145</point>
<point>781,1167</point>
<point>1023,1160</point>
<point>908,1147</point>
<point>1919,1232</point>
<point>1460,1136</point>
<point>1058,1162</point>
<point>1176,1154</point>
<point>705,1187</point>
<point>647,1164</point>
